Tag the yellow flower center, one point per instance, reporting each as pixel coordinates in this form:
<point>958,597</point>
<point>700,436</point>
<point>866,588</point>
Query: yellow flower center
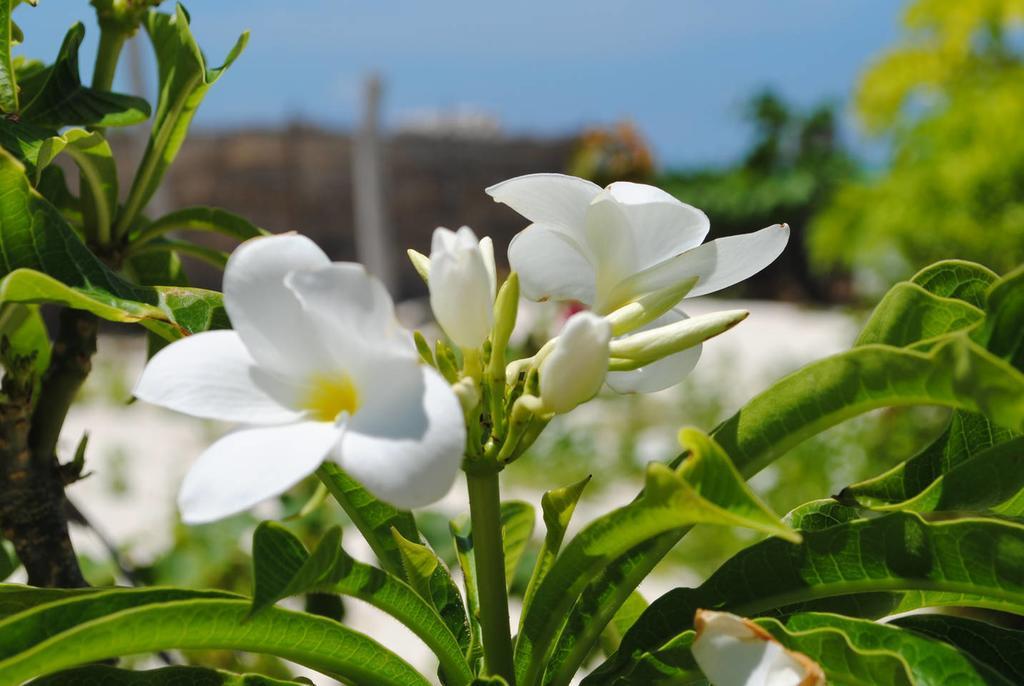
<point>330,395</point>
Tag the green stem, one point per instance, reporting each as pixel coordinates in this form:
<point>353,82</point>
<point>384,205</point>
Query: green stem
<point>107,56</point>
<point>485,517</point>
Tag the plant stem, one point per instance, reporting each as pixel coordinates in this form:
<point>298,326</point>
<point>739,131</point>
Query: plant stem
<point>488,550</point>
<point>107,55</point>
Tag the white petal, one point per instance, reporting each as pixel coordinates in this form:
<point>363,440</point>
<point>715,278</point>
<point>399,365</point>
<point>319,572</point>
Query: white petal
<point>718,264</point>
<point>487,249</point>
<point>610,242</point>
<point>555,200</point>
<point>662,225</point>
<point>263,310</point>
<point>407,452</point>
<point>461,287</point>
<point>662,374</point>
<point>551,266</point>
<point>352,312</point>
<point>212,375</point>
<point>733,651</point>
<point>251,465</point>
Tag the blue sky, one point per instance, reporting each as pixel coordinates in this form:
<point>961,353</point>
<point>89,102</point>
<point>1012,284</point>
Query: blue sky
<point>680,69</point>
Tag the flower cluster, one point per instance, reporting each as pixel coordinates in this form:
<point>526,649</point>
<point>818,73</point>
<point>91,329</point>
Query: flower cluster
<point>317,367</point>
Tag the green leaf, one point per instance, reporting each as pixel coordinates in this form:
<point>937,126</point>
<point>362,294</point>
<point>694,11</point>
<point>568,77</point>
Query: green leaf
<point>668,503</point>
<point>25,331</point>
<point>462,538</point>
<point>55,96</point>
<point>715,484</point>
<point>849,651</point>
<point>24,140</point>
<point>557,506</point>
<point>15,598</point>
<point>1004,321</point>
<point>374,518</point>
<point>970,561</point>
<point>909,314</point>
<point>517,521</point>
<point>98,172</point>
<point>184,79</point>
<point>211,256</point>
<point>283,568</point>
<point>8,82</point>
<point>42,260</point>
<point>960,279</point>
<point>103,675</point>
<point>996,647</point>
<point>967,435</point>
<point>429,577</point>
<point>956,373</point>
<point>198,623</point>
<point>988,481</point>
<point>209,219</point>
<point>624,618</point>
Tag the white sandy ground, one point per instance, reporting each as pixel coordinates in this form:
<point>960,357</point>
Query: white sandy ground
<point>150,448</point>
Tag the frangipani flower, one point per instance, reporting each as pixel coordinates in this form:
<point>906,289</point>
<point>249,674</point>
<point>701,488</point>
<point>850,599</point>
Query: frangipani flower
<point>607,247</point>
<point>733,651</point>
<point>462,285</point>
<point>319,368</point>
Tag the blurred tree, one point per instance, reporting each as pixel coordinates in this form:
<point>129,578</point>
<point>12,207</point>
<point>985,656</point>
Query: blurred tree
<point>948,99</point>
<point>615,153</point>
<point>794,164</point>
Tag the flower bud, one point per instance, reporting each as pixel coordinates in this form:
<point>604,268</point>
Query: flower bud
<point>462,285</point>
<point>649,307</point>
<point>575,369</point>
<point>655,344</point>
<point>733,651</point>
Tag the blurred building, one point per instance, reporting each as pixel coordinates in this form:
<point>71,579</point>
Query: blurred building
<point>300,178</point>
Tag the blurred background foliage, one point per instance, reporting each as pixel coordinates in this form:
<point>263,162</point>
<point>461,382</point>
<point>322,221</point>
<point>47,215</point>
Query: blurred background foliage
<point>944,104</point>
<point>948,100</point>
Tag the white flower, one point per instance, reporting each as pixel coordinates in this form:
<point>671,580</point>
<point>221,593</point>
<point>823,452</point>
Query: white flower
<point>607,247</point>
<point>462,285</point>
<point>733,651</point>
<point>319,368</point>
<point>575,369</point>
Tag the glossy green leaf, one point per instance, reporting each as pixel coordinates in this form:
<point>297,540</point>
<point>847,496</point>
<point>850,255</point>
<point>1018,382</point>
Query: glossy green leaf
<point>711,475</point>
<point>462,539</point>
<point>624,618</point>
<point>967,435</point>
<point>8,82</point>
<point>210,219</point>
<point>988,481</point>
<point>98,172</point>
<point>960,279</point>
<point>970,561</point>
<point>283,568</point>
<point>557,506</point>
<point>55,96</point>
<point>956,373</point>
<point>374,518</point>
<point>42,260</point>
<point>996,647</point>
<point>430,578</point>
<point>104,675</point>
<point>184,79</point>
<point>204,623</point>
<point>669,502</point>
<point>24,140</point>
<point>908,314</point>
